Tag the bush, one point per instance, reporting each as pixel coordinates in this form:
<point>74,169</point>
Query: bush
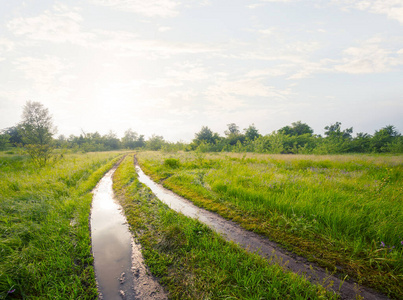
<point>172,163</point>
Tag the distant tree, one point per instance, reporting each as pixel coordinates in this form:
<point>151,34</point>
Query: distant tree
<point>276,142</point>
<point>111,141</point>
<point>37,130</point>
<point>14,134</point>
<point>61,141</point>
<point>155,142</point>
<point>232,129</point>
<point>140,142</point>
<point>205,135</point>
<point>296,129</point>
<point>334,131</point>
<point>234,135</point>
<point>337,140</point>
<point>383,137</point>
<point>251,133</point>
<point>299,138</point>
<point>4,140</point>
<point>361,143</point>
<point>129,139</point>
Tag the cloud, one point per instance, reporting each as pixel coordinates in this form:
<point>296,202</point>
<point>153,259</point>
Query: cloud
<point>187,71</point>
<point>164,28</point>
<point>368,58</point>
<point>393,9</point>
<point>149,8</point>
<point>45,73</point>
<point>228,95</point>
<point>280,0</point>
<point>276,71</point>
<point>59,25</point>
<point>127,44</point>
<point>6,45</point>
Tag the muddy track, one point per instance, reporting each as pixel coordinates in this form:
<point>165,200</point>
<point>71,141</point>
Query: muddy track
<point>120,270</point>
<point>253,242</point>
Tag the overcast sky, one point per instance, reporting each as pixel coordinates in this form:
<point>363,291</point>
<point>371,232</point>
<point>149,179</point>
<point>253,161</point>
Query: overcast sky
<point>170,67</point>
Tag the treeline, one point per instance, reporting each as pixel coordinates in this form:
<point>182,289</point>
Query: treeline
<point>92,142</point>
<point>297,138</point>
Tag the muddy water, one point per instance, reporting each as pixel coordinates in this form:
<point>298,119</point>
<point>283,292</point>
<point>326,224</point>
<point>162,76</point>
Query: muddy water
<point>256,243</point>
<point>119,268</point>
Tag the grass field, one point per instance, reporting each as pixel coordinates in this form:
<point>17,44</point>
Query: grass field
<point>45,247</point>
<point>343,212</point>
<point>192,261</point>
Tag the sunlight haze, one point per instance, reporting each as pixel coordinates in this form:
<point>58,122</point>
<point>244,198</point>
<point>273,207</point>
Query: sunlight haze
<point>169,67</point>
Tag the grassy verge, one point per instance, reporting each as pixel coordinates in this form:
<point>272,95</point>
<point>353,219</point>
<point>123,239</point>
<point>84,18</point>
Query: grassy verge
<point>343,212</point>
<point>192,261</point>
<point>45,247</point>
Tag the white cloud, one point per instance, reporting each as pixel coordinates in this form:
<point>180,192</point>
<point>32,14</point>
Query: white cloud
<point>267,31</point>
<point>6,45</point>
<point>308,68</point>
<point>393,9</point>
<point>45,73</point>
<point>127,44</point>
<point>280,0</point>
<point>233,95</point>
<point>164,28</point>
<point>368,58</point>
<point>280,70</point>
<point>149,8</point>
<point>61,24</point>
<point>187,71</point>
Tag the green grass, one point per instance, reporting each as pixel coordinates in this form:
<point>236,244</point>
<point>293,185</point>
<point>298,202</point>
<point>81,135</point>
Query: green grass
<point>192,261</point>
<point>343,212</point>
<point>45,247</point>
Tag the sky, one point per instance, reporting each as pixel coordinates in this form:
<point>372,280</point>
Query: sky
<point>169,67</point>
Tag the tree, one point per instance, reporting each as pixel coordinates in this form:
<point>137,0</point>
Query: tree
<point>140,142</point>
<point>205,135</point>
<point>232,129</point>
<point>14,134</point>
<point>4,140</point>
<point>155,142</point>
<point>383,137</point>
<point>334,131</point>
<point>361,143</point>
<point>251,133</point>
<point>111,141</point>
<point>234,135</point>
<point>337,140</point>
<point>129,139</point>
<point>296,129</point>
<point>37,130</point>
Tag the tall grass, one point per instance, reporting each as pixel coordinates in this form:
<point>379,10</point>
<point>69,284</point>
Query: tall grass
<point>344,212</point>
<point>192,261</point>
<point>44,229</point>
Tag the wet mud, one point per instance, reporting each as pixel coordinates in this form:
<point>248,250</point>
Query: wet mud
<point>256,243</point>
<point>119,266</point>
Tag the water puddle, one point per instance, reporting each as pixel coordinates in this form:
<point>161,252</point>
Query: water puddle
<point>256,243</point>
<point>119,268</point>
